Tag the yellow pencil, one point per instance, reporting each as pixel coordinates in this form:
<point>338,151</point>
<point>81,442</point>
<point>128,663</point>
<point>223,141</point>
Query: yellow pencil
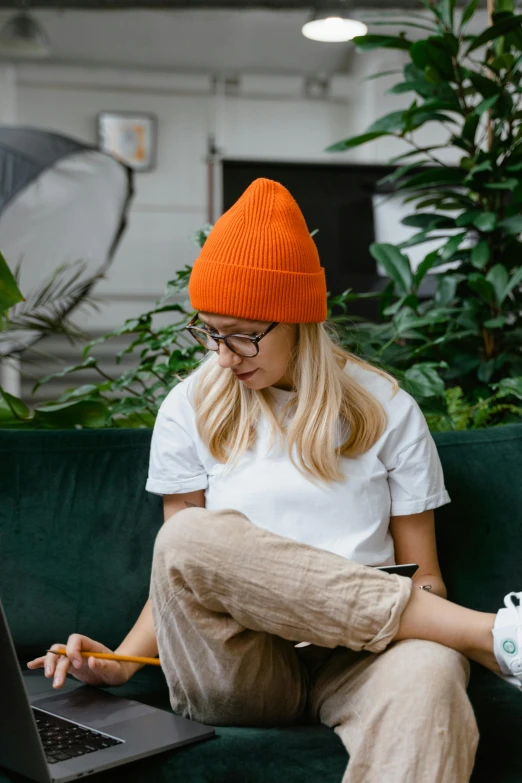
<point>111,656</point>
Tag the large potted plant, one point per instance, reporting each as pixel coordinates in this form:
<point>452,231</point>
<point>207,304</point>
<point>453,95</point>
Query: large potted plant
<point>458,352</point>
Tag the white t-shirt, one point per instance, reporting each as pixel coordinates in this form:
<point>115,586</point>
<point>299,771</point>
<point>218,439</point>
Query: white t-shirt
<point>400,474</point>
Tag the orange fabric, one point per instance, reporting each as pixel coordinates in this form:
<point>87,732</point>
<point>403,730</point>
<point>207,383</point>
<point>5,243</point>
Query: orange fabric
<point>259,262</point>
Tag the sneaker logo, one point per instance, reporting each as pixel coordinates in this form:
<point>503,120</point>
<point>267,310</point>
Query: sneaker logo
<point>509,647</point>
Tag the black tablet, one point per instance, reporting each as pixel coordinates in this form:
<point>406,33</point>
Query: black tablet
<point>403,570</point>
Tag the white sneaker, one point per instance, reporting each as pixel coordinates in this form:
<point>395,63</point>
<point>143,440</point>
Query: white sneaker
<point>507,639</point>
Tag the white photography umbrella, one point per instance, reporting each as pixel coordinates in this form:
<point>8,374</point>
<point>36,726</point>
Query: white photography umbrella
<point>61,201</point>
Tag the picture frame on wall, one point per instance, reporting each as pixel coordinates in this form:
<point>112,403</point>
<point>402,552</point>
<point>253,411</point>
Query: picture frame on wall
<point>131,137</point>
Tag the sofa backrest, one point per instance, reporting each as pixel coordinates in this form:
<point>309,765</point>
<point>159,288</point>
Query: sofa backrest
<point>77,528</point>
<point>77,531</point>
<point>479,534</point>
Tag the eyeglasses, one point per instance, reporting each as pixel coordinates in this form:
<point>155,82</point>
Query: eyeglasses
<point>242,344</point>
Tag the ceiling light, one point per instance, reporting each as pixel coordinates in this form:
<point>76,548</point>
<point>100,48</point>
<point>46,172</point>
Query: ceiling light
<point>333,26</point>
<point>23,36</point>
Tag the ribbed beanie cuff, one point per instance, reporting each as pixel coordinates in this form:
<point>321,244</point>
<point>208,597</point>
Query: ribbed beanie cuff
<point>260,263</point>
<point>288,297</point>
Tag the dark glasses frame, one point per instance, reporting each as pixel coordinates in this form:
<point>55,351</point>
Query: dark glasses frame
<point>224,337</point>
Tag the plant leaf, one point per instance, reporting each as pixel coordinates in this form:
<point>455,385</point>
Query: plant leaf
<point>67,415</point>
<point>433,52</point>
<point>486,221</point>
<point>366,43</point>
<point>486,165</point>
<point>447,11</point>
<point>498,277</point>
<point>446,289</point>
<point>469,130</point>
<point>171,307</point>
<point>512,225</point>
<point>379,74</point>
<point>486,87</point>
<point>389,123</point>
<point>9,291</point>
<point>398,173</point>
<point>468,12</point>
<point>414,119</point>
<point>90,362</point>
<point>479,255</point>
<point>434,176</point>
<point>508,184</point>
<point>495,323</point>
<point>482,287</point>
<point>18,408</point>
<point>452,245</point>
<point>416,239</point>
<point>510,386</point>
<point>425,380</point>
<point>515,279</point>
<point>426,219</point>
<point>354,141</point>
<point>395,263</point>
<point>484,105</point>
<point>495,31</point>
<point>467,217</point>
<point>425,265</point>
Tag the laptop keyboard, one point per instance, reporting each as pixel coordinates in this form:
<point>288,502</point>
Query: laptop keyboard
<point>63,740</point>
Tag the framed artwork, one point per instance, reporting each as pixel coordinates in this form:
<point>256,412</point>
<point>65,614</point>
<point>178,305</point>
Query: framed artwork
<point>130,137</point>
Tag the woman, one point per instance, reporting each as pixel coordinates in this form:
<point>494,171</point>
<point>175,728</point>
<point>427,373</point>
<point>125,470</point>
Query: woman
<point>288,468</point>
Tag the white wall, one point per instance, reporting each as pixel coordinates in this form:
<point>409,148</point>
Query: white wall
<point>268,119</point>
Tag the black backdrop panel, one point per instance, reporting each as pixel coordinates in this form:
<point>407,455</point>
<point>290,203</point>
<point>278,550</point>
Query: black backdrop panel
<point>337,200</point>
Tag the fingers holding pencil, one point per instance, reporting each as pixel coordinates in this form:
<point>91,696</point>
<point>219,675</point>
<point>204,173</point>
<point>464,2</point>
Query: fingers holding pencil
<point>88,669</point>
<point>110,656</point>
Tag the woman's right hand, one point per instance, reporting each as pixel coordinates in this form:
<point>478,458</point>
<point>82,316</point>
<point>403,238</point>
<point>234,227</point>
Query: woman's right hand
<point>91,671</point>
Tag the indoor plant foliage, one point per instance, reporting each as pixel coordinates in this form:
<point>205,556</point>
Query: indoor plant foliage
<point>458,353</point>
<point>46,311</point>
<point>165,354</point>
<point>132,398</point>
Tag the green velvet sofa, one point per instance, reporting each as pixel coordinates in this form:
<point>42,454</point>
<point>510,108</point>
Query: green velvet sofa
<point>76,536</point>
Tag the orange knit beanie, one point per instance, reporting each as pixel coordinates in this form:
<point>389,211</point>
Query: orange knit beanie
<point>259,262</point>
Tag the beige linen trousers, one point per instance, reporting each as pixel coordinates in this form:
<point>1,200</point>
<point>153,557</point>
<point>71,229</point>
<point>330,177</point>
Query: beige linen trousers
<point>229,602</point>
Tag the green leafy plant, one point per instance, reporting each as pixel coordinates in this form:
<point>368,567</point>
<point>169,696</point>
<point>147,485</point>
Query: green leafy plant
<point>44,312</point>
<point>164,355</point>
<point>131,398</point>
<point>459,352</point>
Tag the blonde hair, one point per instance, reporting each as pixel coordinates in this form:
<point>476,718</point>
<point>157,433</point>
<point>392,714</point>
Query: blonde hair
<point>228,412</point>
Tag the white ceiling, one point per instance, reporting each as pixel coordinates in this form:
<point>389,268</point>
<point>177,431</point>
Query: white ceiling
<point>216,40</point>
<point>207,40</point>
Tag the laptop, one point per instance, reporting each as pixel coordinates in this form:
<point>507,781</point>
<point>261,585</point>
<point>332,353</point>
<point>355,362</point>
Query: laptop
<point>54,736</point>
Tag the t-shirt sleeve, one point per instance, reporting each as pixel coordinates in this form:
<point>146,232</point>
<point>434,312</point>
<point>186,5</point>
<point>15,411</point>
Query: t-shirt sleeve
<point>174,464</point>
<point>415,476</point>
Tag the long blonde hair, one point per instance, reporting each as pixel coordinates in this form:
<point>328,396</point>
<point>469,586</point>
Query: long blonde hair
<point>227,412</point>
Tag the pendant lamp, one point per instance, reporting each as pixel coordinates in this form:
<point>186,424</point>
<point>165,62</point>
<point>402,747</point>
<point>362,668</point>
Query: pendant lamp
<point>333,25</point>
<point>22,36</point>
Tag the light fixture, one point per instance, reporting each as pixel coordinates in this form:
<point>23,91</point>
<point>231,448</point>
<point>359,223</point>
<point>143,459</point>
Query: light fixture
<point>333,25</point>
<point>23,36</point>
